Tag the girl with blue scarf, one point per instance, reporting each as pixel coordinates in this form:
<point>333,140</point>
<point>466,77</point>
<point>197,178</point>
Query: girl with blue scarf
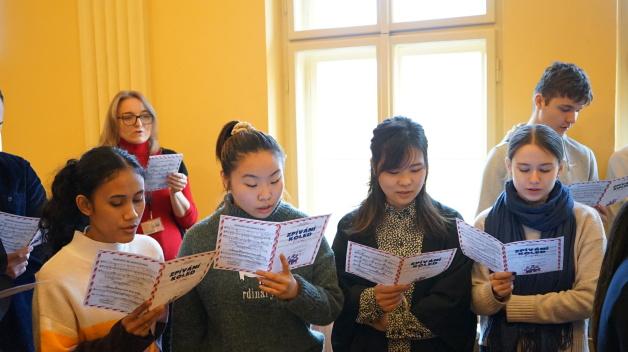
<point>549,311</point>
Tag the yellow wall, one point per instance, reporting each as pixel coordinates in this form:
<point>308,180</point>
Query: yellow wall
<point>621,112</point>
<point>41,80</point>
<point>208,67</point>
<point>533,33</point>
<point>208,64</point>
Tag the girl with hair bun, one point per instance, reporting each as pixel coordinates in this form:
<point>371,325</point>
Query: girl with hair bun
<point>97,202</point>
<point>548,311</point>
<point>231,311</point>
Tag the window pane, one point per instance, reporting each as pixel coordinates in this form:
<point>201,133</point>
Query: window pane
<point>442,85</point>
<point>336,95</point>
<point>423,10</point>
<point>322,14</point>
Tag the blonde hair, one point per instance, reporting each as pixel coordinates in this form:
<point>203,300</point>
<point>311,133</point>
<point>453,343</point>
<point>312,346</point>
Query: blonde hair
<point>110,135</point>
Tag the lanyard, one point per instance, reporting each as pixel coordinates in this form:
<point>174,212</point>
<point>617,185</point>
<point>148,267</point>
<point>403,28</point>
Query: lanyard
<point>148,200</point>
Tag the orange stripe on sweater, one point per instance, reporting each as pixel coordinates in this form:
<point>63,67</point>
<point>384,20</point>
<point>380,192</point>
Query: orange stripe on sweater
<point>51,341</point>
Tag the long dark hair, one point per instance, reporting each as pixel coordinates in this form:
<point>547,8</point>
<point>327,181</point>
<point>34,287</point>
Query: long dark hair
<point>393,143</point>
<point>616,253</point>
<point>61,216</point>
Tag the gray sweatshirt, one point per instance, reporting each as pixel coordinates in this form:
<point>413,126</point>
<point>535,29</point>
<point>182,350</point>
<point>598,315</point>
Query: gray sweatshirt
<point>228,312</point>
<point>617,167</point>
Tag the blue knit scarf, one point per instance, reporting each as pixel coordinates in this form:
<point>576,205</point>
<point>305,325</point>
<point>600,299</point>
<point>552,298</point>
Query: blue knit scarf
<point>554,218</point>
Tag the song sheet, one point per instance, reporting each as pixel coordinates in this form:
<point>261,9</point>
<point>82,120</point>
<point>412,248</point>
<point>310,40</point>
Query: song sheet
<point>17,231</point>
<point>299,241</point>
<point>425,265</point>
<point>388,269</point>
<point>159,167</point>
<point>181,275</point>
<point>122,281</point>
<point>522,257</point>
<point>249,245</point>
<point>605,192</point>
<point>17,289</point>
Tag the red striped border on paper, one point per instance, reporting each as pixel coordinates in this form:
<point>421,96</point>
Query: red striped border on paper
<point>124,254</point>
<point>246,221</point>
<point>320,237</point>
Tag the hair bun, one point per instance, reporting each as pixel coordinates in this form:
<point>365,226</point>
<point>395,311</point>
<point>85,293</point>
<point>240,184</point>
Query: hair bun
<point>242,126</point>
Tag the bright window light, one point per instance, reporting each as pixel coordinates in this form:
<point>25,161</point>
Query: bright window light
<point>424,10</point>
<point>336,93</point>
<point>442,85</point>
<point>322,14</point>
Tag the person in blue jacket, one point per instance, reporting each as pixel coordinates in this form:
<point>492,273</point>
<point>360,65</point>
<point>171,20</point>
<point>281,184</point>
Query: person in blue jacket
<point>21,193</point>
<point>610,321</point>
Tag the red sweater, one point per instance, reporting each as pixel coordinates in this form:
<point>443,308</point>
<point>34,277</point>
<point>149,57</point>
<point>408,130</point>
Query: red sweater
<point>158,205</point>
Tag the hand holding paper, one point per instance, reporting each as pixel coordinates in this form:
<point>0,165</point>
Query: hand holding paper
<point>281,285</point>
<point>176,182</point>
<point>17,262</point>
<point>17,231</point>
<point>521,257</point>
<point>141,320</point>
<point>600,192</point>
<point>502,284</point>
<point>389,297</point>
<point>159,167</point>
<point>250,245</point>
<point>123,281</point>
<point>388,269</point>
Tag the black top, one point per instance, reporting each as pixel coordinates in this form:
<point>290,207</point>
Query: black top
<point>442,303</point>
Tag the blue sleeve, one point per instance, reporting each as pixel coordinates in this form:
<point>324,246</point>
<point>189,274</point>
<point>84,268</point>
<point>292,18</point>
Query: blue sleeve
<point>35,193</point>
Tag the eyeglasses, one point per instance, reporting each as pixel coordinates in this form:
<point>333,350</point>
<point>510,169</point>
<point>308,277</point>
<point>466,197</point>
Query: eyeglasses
<point>130,119</point>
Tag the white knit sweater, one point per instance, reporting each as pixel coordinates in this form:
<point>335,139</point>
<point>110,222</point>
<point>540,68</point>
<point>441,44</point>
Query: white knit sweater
<point>574,305</point>
<point>60,320</point>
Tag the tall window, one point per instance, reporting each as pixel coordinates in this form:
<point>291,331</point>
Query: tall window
<point>353,63</point>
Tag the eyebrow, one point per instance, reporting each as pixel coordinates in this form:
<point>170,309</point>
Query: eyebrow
<point>131,113</point>
<point>256,177</point>
<point>123,196</point>
<point>118,196</point>
<point>526,164</point>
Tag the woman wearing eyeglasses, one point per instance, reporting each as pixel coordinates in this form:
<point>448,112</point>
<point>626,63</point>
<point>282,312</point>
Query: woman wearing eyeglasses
<point>131,124</point>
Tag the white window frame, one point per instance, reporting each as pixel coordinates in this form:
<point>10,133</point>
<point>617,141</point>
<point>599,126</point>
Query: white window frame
<point>383,36</point>
<point>491,67</point>
<point>384,23</point>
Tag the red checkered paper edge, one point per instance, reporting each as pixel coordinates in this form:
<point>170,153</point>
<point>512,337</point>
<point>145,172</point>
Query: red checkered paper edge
<point>246,221</point>
<point>95,268</point>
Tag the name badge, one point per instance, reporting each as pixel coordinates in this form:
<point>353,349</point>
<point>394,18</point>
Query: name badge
<point>151,226</point>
